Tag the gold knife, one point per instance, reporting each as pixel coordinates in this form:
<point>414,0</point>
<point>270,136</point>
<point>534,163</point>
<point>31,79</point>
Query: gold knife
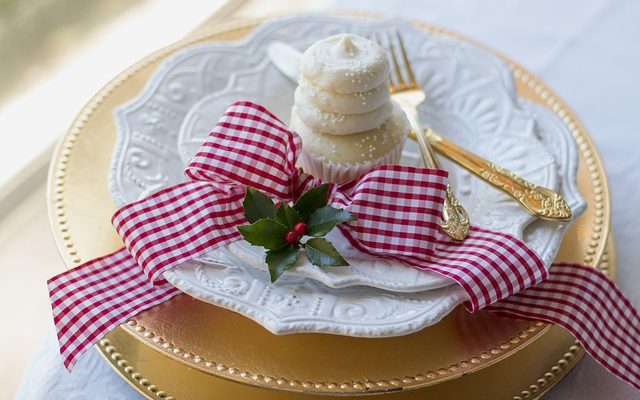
<point>537,200</point>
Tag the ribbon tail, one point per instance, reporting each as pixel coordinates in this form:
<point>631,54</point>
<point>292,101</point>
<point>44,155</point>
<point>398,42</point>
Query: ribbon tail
<point>588,304</point>
<point>94,298</point>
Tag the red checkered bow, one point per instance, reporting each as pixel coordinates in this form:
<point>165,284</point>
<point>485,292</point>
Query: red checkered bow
<point>398,209</point>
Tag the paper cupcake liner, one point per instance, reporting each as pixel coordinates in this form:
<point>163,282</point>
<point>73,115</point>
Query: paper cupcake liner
<point>332,171</point>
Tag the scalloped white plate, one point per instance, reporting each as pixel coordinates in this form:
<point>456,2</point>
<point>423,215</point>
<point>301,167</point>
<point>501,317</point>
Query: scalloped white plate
<point>472,100</point>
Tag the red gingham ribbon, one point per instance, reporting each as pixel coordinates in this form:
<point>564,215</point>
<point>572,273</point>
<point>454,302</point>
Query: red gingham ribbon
<point>398,209</point>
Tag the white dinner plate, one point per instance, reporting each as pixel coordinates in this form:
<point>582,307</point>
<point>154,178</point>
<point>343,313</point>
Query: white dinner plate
<point>472,100</point>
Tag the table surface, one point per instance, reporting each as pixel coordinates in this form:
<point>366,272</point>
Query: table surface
<point>585,51</point>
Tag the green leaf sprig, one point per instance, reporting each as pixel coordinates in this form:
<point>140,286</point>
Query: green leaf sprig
<point>280,228</point>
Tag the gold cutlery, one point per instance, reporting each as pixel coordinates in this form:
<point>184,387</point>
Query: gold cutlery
<point>407,93</point>
<point>537,200</point>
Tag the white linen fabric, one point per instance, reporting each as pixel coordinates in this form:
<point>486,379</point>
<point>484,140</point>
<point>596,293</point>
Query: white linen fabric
<point>585,51</point>
<point>93,378</point>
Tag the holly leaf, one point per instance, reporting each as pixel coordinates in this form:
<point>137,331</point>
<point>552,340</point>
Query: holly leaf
<point>282,259</point>
<point>265,232</point>
<point>311,200</point>
<point>287,215</point>
<point>257,205</point>
<point>322,253</point>
<point>324,219</point>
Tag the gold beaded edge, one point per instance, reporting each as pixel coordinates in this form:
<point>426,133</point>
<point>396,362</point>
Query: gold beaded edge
<point>57,208</point>
<point>129,372</point>
<point>356,386</point>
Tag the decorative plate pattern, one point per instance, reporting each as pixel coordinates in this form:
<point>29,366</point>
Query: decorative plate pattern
<point>298,304</point>
<point>471,100</point>
<point>363,270</point>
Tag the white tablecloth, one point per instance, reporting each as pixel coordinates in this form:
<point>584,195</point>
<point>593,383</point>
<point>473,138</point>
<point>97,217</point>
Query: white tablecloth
<point>588,52</point>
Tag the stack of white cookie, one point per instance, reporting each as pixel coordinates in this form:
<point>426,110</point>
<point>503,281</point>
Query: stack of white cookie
<point>343,111</point>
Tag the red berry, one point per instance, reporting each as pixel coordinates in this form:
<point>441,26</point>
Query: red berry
<point>300,228</point>
<point>291,237</point>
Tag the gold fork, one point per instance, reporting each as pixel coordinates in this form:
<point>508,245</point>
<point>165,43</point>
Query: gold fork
<point>539,201</point>
<point>407,93</point>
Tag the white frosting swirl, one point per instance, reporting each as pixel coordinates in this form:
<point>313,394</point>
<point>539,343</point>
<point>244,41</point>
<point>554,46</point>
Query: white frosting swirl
<point>367,145</point>
<point>338,123</point>
<point>352,103</point>
<point>345,64</point>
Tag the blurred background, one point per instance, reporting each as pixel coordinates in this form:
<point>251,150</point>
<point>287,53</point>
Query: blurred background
<point>55,54</point>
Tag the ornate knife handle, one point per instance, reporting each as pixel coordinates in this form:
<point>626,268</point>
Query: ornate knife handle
<point>455,220</point>
<point>539,201</point>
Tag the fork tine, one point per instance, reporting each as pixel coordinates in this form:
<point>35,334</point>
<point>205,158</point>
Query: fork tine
<point>405,59</point>
<point>396,66</point>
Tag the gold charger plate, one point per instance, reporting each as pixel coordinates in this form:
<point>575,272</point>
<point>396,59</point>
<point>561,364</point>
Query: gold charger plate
<point>527,374</point>
<point>211,341</point>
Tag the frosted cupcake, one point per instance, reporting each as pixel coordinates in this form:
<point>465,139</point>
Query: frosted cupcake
<point>343,111</point>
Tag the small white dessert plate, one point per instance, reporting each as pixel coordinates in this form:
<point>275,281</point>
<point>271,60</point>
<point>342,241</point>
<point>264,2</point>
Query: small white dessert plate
<point>472,100</point>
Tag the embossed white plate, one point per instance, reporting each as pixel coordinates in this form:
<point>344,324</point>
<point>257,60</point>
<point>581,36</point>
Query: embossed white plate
<point>472,100</point>
<point>298,304</point>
